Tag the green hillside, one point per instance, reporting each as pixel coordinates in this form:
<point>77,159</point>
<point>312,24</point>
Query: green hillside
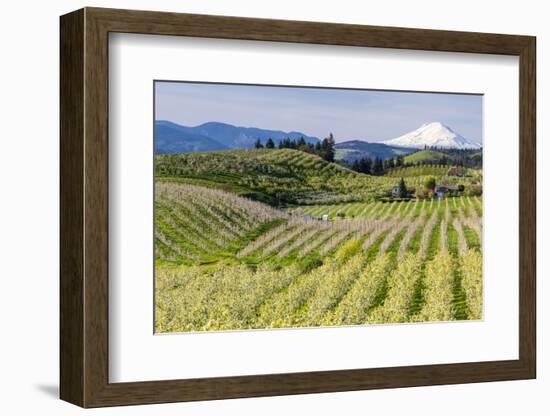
<point>275,176</point>
<point>420,170</point>
<point>285,177</point>
<point>424,156</point>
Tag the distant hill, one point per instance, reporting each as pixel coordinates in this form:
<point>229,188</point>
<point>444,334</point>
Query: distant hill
<point>174,138</point>
<point>357,149</point>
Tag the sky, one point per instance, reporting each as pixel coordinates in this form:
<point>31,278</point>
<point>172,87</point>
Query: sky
<point>349,114</point>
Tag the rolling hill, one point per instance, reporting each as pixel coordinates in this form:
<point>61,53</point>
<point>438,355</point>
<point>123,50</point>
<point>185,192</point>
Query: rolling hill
<point>471,158</point>
<point>174,138</point>
<point>424,156</point>
<point>275,176</point>
<point>278,177</point>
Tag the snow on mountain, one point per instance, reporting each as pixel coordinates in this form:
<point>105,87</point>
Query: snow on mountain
<point>433,135</point>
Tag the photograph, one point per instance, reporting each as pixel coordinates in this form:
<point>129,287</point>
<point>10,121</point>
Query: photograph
<point>311,206</point>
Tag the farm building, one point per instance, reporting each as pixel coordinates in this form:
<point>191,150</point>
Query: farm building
<point>394,192</point>
<point>442,190</point>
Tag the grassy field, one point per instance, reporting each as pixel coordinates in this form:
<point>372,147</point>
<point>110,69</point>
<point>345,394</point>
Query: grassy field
<point>226,259</point>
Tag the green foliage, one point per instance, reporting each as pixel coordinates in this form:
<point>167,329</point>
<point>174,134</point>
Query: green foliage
<point>311,263</point>
<point>226,262</point>
<point>402,189</point>
<point>363,165</point>
<point>421,170</point>
<point>473,190</point>
<point>362,296</point>
<point>281,177</point>
<point>277,177</point>
<point>470,158</point>
<point>429,183</point>
<point>438,291</point>
<point>349,249</point>
<point>430,156</point>
<point>471,267</point>
<point>324,149</point>
<point>400,292</point>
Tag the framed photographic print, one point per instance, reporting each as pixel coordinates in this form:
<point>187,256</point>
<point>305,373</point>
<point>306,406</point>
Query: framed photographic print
<point>256,207</point>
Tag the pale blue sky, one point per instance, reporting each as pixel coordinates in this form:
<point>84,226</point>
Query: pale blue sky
<point>348,114</point>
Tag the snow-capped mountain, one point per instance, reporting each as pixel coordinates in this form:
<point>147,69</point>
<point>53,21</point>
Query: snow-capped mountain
<point>433,135</point>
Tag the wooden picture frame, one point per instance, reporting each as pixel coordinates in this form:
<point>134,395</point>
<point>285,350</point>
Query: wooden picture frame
<point>84,207</point>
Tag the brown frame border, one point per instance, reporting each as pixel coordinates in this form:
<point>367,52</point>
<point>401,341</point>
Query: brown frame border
<point>84,207</point>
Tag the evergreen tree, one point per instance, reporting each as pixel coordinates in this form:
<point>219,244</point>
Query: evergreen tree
<point>402,189</point>
<point>365,165</point>
<point>323,149</point>
<point>378,167</point>
<point>258,144</point>
<point>318,148</point>
<point>389,164</point>
<point>327,148</point>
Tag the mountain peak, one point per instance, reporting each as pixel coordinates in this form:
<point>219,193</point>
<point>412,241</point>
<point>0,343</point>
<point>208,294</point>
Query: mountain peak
<point>436,125</point>
<point>215,124</point>
<point>433,134</point>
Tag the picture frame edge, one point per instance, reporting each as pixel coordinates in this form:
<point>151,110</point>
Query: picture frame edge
<point>84,215</point>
